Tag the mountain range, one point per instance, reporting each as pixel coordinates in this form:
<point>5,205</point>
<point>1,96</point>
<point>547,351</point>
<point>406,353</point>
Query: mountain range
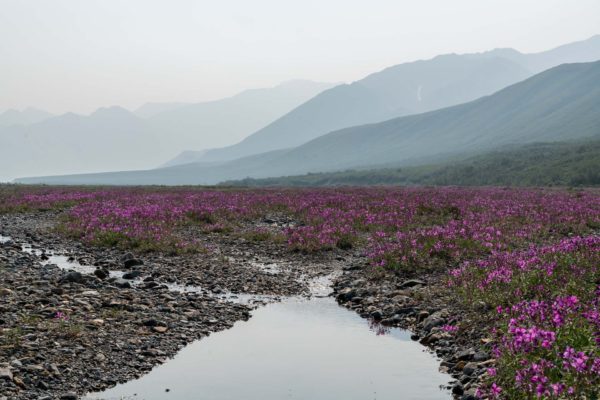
<point>26,117</point>
<point>404,89</point>
<point>114,139</point>
<point>229,120</point>
<point>560,104</point>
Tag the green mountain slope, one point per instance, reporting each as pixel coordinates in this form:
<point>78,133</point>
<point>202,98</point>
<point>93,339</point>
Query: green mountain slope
<point>405,89</point>
<point>536,164</point>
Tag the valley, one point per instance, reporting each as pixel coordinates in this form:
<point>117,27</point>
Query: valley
<point>101,285</point>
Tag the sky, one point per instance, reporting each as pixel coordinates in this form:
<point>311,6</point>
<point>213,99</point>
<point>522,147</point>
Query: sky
<point>78,55</point>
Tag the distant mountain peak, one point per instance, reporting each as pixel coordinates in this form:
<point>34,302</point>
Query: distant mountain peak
<point>27,116</point>
<point>301,82</point>
<point>112,113</point>
<point>110,110</point>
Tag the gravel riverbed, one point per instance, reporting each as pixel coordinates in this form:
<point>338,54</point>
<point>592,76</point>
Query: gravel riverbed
<point>67,333</point>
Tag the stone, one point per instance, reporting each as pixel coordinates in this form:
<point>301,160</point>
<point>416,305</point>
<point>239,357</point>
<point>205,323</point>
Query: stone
<point>422,315</point>
<point>6,374</point>
<point>132,274</point>
<point>72,276</point>
<point>377,315</point>
<point>466,355</point>
<point>151,284</point>
<point>122,283</point>
<point>346,294</point>
<point>470,368</point>
<point>101,273</point>
<point>69,396</point>
<point>435,319</point>
<point>411,283</point>
<point>405,310</point>
<point>132,262</point>
<point>458,389</point>
<point>127,256</point>
<point>470,394</point>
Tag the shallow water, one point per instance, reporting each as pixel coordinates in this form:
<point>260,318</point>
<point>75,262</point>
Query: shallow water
<point>69,264</point>
<point>297,349</point>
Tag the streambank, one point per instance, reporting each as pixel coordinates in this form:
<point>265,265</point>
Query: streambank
<point>79,319</point>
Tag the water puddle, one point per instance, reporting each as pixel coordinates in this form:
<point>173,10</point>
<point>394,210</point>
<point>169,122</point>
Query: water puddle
<point>242,298</point>
<point>267,268</point>
<point>296,349</point>
<point>68,263</point>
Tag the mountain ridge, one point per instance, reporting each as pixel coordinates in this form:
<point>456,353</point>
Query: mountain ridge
<point>560,104</point>
<point>404,89</point>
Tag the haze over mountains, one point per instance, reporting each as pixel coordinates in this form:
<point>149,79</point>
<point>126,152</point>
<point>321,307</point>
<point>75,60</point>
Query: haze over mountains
<point>292,121</point>
<point>559,104</point>
<point>229,120</point>
<point>109,139</point>
<point>114,139</point>
<point>26,117</point>
<point>403,89</point>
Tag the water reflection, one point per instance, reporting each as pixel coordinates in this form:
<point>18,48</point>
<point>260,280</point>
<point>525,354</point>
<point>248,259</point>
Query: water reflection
<point>296,349</point>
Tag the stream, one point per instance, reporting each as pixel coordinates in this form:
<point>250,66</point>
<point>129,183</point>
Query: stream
<point>298,348</point>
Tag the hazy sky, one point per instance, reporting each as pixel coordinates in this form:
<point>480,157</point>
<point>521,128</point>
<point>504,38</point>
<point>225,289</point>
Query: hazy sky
<point>77,55</point>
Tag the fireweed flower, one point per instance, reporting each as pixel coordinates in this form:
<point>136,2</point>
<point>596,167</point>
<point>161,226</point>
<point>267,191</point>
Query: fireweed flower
<point>61,316</point>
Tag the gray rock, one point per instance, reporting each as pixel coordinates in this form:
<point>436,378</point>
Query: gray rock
<point>100,273</point>
<point>435,319</point>
<point>470,394</point>
<point>132,262</point>
<point>377,315</point>
<point>131,274</point>
<point>69,396</point>
<point>73,276</point>
<point>127,256</point>
<point>346,294</point>
<point>470,368</point>
<point>6,374</point>
<point>122,283</point>
<point>466,355</point>
<point>481,356</point>
<point>410,283</point>
<point>458,389</point>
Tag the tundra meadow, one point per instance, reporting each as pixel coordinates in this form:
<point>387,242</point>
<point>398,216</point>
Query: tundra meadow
<point>531,256</point>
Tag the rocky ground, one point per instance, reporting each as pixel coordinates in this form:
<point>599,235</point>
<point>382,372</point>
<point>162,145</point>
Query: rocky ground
<point>427,307</point>
<point>66,333</point>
